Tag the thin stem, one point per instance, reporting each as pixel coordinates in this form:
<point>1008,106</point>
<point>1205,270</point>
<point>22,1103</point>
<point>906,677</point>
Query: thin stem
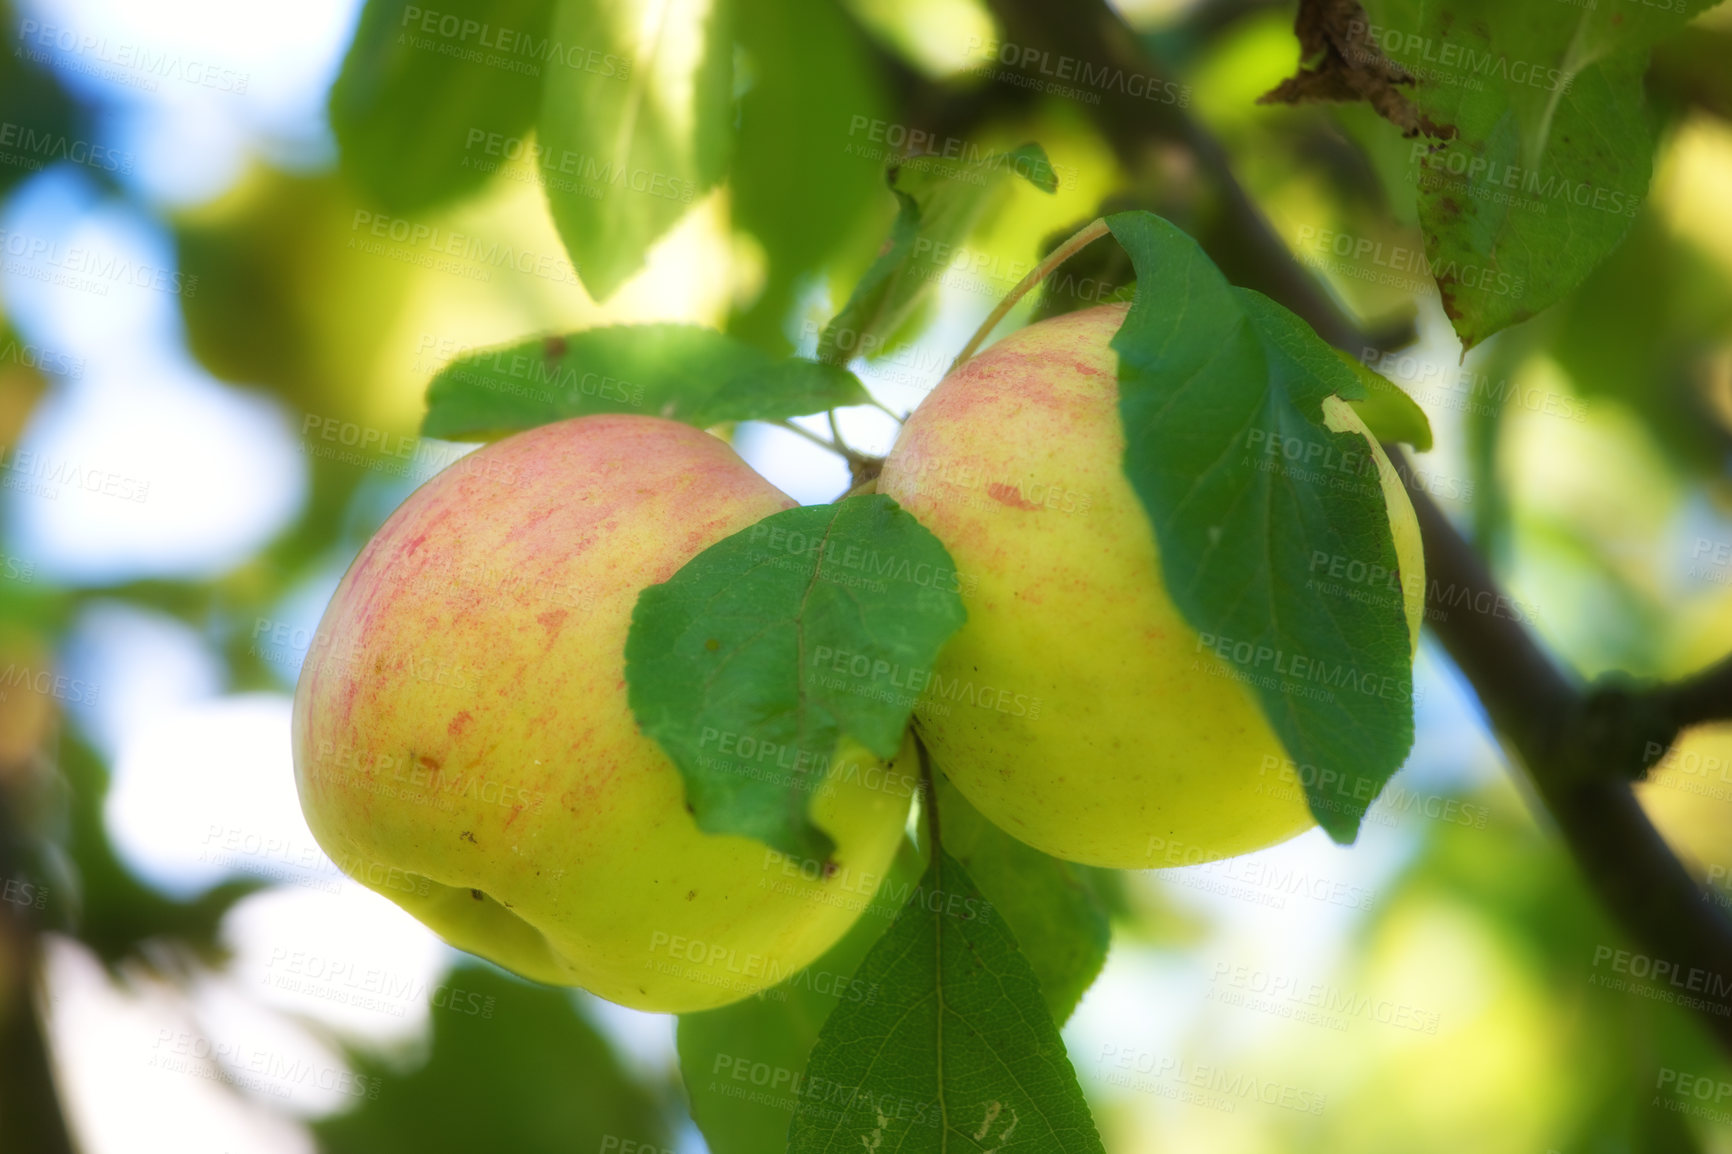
<point>929,793</point>
<point>1089,234</point>
<point>842,451</point>
<point>836,434</point>
<point>882,408</point>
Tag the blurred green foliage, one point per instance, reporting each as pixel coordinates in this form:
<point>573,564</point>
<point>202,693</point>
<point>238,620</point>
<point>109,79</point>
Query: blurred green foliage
<point>791,96</point>
<point>509,1066</point>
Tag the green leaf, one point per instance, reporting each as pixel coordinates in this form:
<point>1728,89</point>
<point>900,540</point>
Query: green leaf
<point>1055,909</point>
<point>957,1053</point>
<point>115,914</point>
<point>814,625</point>
<point>742,1063</point>
<point>812,91</point>
<point>529,1072</point>
<point>940,202</point>
<point>428,97</point>
<point>1553,145</point>
<point>624,156</point>
<point>1222,393</point>
<point>682,372</point>
<point>1386,409</point>
<point>1634,333</point>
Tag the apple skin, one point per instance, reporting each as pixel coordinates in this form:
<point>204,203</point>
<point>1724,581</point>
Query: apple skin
<point>1102,741</point>
<point>463,743</point>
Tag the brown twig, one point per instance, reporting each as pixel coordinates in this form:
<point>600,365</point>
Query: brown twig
<point>1339,61</point>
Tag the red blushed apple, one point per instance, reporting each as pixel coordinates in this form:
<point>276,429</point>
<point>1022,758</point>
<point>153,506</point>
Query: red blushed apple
<point>1087,720</point>
<point>463,743</point>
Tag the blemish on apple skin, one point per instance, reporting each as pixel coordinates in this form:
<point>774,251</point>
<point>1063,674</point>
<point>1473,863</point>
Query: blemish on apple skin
<point>468,837</point>
<point>831,869</point>
<point>691,895</point>
<point>459,723</point>
<point>478,895</point>
<point>1009,495</point>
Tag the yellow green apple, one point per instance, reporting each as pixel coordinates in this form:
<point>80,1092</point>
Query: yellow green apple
<point>463,743</point>
<point>1076,708</point>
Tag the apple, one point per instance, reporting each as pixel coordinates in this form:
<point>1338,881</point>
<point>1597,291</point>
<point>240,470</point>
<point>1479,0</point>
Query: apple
<point>1072,708</point>
<point>463,744</point>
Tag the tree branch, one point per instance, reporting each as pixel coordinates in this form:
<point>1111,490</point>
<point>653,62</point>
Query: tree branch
<point>1705,695</point>
<point>1581,748</point>
<point>1231,229</point>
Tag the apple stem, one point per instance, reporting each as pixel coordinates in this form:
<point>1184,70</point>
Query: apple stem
<point>836,433</point>
<point>928,793</point>
<point>885,409</point>
<point>836,447</point>
<point>1087,236</point>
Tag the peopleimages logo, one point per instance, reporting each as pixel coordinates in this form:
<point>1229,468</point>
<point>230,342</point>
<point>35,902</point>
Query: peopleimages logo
<point>20,892</point>
<point>1486,173</point>
<point>829,555</point>
<point>29,356</point>
<point>46,683</point>
<point>1405,259</point>
<point>811,769</point>
<point>1299,667</point>
<point>36,146</point>
<point>1672,981</point>
<point>1222,1087</point>
<point>1056,72</point>
<point>112,60</point>
<point>915,146</point>
<point>923,687</point>
<point>470,255</point>
<point>472,40</point>
<point>1411,50</point>
<point>87,270</point>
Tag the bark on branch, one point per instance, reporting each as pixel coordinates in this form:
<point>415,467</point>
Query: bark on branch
<point>1582,747</point>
